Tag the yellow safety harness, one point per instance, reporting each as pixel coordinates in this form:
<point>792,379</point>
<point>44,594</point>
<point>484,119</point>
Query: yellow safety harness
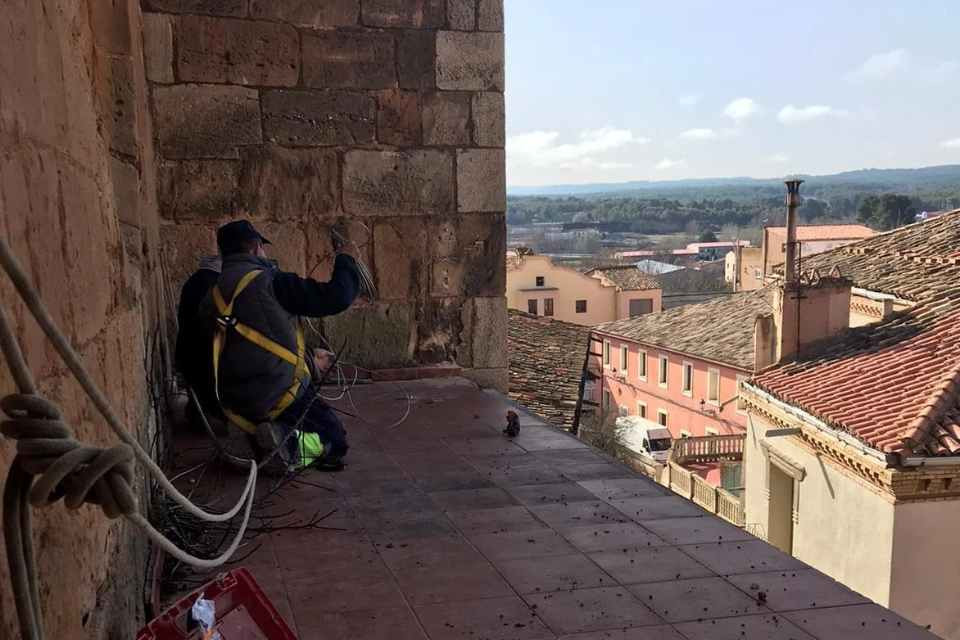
<point>225,321</point>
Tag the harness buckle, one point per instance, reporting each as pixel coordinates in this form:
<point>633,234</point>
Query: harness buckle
<point>227,321</point>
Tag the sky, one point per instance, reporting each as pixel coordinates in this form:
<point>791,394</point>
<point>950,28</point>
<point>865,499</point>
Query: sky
<point>618,90</point>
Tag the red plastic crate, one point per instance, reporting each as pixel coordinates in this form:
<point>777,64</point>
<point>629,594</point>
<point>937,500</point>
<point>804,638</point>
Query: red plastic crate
<point>243,613</point>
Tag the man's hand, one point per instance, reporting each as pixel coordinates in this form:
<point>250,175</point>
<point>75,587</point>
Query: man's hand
<point>339,236</point>
<point>322,359</point>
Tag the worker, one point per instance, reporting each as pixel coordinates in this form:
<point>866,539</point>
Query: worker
<point>192,360</point>
<point>260,365</point>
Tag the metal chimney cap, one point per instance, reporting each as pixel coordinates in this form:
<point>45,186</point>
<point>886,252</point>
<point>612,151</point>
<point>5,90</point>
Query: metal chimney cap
<point>793,185</point>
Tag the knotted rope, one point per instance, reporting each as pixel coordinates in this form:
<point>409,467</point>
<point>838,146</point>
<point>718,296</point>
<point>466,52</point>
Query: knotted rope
<point>69,469</point>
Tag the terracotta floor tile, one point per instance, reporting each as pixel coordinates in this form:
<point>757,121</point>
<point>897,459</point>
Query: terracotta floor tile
<point>525,475</point>
<point>751,556</point>
<point>610,537</point>
<point>762,627</point>
<point>458,580</point>
<point>651,564</point>
<point>569,612</point>
<point>502,520</point>
<point>348,590</point>
<point>696,530</point>
<point>571,457</point>
<point>575,514</point>
<point>655,508</point>
<point>452,481</point>
<point>493,445</point>
<point>792,590</point>
<point>522,544</point>
<point>492,619</point>
<point>696,599</point>
<point>547,438</point>
<point>858,622</point>
<point>622,488</point>
<point>377,624</point>
<point>538,494</point>
<point>473,499</point>
<point>553,573</point>
<point>638,633</point>
<point>600,471</point>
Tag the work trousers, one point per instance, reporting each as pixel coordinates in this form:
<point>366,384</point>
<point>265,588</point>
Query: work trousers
<point>319,419</point>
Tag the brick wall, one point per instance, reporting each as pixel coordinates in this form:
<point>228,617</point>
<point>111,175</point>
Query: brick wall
<point>77,205</point>
<point>388,113</point>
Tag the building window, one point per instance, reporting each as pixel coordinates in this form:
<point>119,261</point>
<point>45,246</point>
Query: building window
<point>663,371</point>
<point>687,379</point>
<point>713,386</point>
<point>581,306</point>
<point>640,306</point>
<point>548,307</point>
<point>532,306</point>
<point>684,434</point>
<point>712,432</point>
<point>606,401</point>
<point>623,359</point>
<point>662,417</point>
<point>756,273</point>
<point>741,405</point>
<point>606,353</point>
<point>642,409</point>
<point>642,365</point>
<point>539,281</point>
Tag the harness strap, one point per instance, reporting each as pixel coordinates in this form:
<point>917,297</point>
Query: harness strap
<point>297,360</point>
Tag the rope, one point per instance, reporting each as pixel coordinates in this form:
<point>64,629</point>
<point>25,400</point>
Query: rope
<point>68,469</point>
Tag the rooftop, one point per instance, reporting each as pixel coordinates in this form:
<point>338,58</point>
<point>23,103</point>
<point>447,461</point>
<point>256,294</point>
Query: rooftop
<point>720,330</point>
<point>892,384</point>
<point>827,232</point>
<point>546,359</point>
<point>442,529</point>
<point>626,277</point>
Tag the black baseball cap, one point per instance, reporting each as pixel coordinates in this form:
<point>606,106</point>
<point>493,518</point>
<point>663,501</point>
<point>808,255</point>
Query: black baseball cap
<point>233,237</point>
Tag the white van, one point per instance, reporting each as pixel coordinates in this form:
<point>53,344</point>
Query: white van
<point>645,437</point>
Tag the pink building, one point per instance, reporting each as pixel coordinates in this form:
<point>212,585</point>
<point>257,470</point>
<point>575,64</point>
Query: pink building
<point>682,367</point>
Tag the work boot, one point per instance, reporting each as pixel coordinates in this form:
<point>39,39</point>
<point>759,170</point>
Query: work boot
<point>273,457</point>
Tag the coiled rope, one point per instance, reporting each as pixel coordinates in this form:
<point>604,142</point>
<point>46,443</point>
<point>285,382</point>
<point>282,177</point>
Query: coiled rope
<point>70,470</point>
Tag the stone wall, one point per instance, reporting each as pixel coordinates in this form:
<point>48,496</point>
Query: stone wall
<point>77,204</point>
<point>387,113</point>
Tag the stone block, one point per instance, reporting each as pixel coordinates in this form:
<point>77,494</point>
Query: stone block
<point>446,118</point>
<point>498,379</point>
<point>470,61</point>
<point>489,326</point>
<point>205,121</point>
<point>192,189</point>
<point>349,59</point>
<point>288,184</point>
<point>490,15</point>
<point>488,119</point>
<point>110,21</point>
<point>288,245</point>
<point>125,179</point>
<point>398,182</point>
<point>400,258</point>
<point>417,14</point>
<point>398,118</point>
<point>158,47</point>
<point>462,15</point>
<point>314,118</point>
<point>377,336</point>
<point>416,51</point>
<point>313,14</point>
<point>118,105</point>
<point>469,254</point>
<point>237,51</point>
<point>235,8</point>
<point>441,332</point>
<point>481,180</point>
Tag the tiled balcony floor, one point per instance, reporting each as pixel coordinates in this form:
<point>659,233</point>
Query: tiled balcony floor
<point>447,530</point>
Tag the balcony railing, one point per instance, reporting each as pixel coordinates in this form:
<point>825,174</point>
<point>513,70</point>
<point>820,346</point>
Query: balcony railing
<point>707,449</point>
<point>713,499</point>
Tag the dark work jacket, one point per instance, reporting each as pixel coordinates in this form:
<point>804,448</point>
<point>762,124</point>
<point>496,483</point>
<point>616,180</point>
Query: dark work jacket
<point>193,359</point>
<point>252,380</point>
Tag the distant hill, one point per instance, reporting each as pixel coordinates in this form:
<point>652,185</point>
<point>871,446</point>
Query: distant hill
<point>901,180</point>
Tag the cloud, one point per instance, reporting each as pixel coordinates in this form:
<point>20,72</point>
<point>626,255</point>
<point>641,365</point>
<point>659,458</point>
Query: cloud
<point>881,65</point>
<point>667,163</point>
<point>951,144</point>
<point>779,158</point>
<point>541,148</point>
<point>699,134</point>
<point>742,108</point>
<point>795,115</point>
<point>689,101</point>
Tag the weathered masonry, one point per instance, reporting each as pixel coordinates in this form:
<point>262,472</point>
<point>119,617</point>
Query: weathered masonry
<point>129,130</point>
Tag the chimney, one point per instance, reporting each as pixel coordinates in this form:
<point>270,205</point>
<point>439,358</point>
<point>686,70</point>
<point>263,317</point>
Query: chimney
<point>807,307</point>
